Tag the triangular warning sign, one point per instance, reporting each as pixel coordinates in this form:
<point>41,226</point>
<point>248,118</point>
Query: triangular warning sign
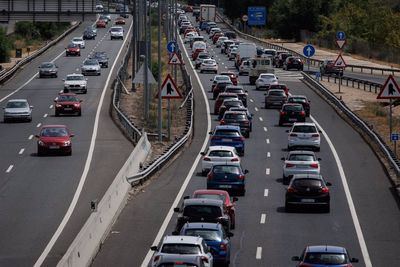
<point>339,62</point>
<point>340,43</point>
<point>139,76</point>
<point>175,60</point>
<point>389,90</point>
<point>169,89</point>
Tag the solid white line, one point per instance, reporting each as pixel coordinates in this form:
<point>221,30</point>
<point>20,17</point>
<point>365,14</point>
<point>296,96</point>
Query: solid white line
<point>51,106</point>
<point>255,108</point>
<point>258,253</point>
<point>356,222</point>
<point>21,151</point>
<point>168,218</point>
<point>260,118</point>
<point>263,218</point>
<point>45,115</point>
<point>268,154</point>
<point>265,129</point>
<point>9,168</point>
<point>267,140</point>
<point>88,162</point>
<point>266,192</point>
<point>30,137</point>
<point>38,125</point>
<point>267,171</point>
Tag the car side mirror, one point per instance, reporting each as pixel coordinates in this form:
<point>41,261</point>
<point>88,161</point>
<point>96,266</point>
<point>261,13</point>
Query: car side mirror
<point>209,132</point>
<point>71,135</point>
<point>153,248</point>
<point>296,258</point>
<point>354,260</point>
<point>37,136</point>
<point>55,100</point>
<point>282,158</point>
<point>31,107</point>
<point>265,94</point>
<point>319,159</point>
<point>186,197</point>
<point>246,171</point>
<point>177,209</point>
<point>234,199</point>
<point>86,79</point>
<point>229,234</point>
<point>328,184</point>
<point>319,131</point>
<point>63,80</point>
<point>202,153</point>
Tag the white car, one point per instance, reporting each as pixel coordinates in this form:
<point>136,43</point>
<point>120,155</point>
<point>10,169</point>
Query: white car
<point>78,41</point>
<point>75,83</point>
<point>99,8</point>
<point>232,52</point>
<point>244,68</point>
<point>217,155</point>
<point>116,32</point>
<point>304,135</point>
<point>300,162</point>
<point>188,245</point>
<point>220,40</point>
<point>214,30</point>
<point>190,36</point>
<point>91,67</point>
<point>200,58</point>
<point>209,65</point>
<point>265,80</point>
<point>17,109</point>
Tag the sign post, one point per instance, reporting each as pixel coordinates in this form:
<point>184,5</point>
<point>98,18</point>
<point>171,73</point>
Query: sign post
<point>340,41</point>
<point>390,90</point>
<point>340,63</point>
<point>308,51</point>
<point>394,137</point>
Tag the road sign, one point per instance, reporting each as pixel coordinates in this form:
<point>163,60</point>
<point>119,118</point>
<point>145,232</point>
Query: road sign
<point>257,15</point>
<point>394,137</point>
<point>340,43</point>
<point>309,50</point>
<point>172,46</point>
<point>245,18</point>
<point>340,35</point>
<point>339,62</point>
<point>169,90</point>
<point>389,90</point>
<point>175,60</point>
<point>139,76</point>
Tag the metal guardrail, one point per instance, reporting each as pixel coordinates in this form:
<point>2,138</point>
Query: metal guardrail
<point>313,62</point>
<point>384,148</point>
<point>5,75</point>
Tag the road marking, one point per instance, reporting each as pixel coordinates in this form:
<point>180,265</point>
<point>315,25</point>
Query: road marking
<point>267,140</point>
<point>51,106</point>
<point>168,218</point>
<point>260,118</point>
<point>30,137</point>
<point>356,222</point>
<point>255,108</point>
<point>267,171</point>
<point>38,125</point>
<point>265,129</point>
<point>263,218</point>
<point>266,192</point>
<point>86,169</point>
<point>251,100</point>
<point>258,253</point>
<point>268,154</point>
<point>9,168</point>
<point>21,151</point>
<point>61,91</point>
<point>45,115</point>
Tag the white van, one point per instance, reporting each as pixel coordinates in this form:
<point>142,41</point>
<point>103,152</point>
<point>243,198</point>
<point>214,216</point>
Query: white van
<point>199,45</point>
<point>247,50</point>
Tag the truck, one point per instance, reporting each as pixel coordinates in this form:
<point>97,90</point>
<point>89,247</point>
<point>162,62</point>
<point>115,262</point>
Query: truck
<point>245,50</point>
<point>207,13</point>
<point>260,65</point>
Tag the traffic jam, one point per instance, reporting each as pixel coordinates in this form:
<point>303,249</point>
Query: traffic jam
<point>205,220</point>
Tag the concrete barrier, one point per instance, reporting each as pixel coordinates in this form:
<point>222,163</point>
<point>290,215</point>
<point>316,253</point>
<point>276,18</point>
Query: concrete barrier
<point>87,243</point>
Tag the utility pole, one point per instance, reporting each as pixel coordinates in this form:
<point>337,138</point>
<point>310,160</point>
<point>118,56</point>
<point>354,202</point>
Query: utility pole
<point>134,45</point>
<point>159,111</point>
<point>145,66</point>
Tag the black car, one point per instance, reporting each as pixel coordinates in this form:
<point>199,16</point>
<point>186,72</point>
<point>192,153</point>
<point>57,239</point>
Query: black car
<point>238,89</point>
<point>249,115</point>
<point>328,67</point>
<point>89,35</point>
<point>308,190</point>
<point>230,35</point>
<point>280,59</point>
<point>301,99</point>
<point>102,58</point>
<point>292,113</point>
<point>227,104</point>
<point>237,118</point>
<point>48,69</point>
<point>293,63</point>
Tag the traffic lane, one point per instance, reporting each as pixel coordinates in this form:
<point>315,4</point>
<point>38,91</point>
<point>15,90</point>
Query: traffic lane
<point>142,217</point>
<point>369,185</point>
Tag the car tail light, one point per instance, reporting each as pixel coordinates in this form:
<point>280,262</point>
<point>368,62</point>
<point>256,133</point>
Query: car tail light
<point>241,177</point>
<point>210,176</point>
<point>302,113</point>
<point>246,122</point>
<point>293,134</point>
<point>179,263</point>
<point>291,190</point>
<point>204,259</point>
<point>221,122</point>
<point>324,190</point>
<point>289,165</point>
<point>223,247</point>
<point>156,258</point>
<point>206,159</point>
<point>283,113</point>
<point>235,160</point>
<point>315,135</point>
<point>314,165</point>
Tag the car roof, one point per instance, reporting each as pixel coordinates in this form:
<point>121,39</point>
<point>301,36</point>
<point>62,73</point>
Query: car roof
<point>227,127</point>
<point>71,94</point>
<point>234,95</point>
<point>215,148</point>
<point>297,96</point>
<point>292,104</point>
<point>18,100</point>
<point>235,86</point>
<point>75,74</point>
<point>182,239</point>
<point>275,90</point>
<point>202,201</point>
<point>326,248</point>
<point>205,225</point>
<point>211,192</point>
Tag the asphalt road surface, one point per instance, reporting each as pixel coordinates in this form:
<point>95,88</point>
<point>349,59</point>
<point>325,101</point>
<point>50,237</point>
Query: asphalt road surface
<point>36,192</point>
<point>364,215</point>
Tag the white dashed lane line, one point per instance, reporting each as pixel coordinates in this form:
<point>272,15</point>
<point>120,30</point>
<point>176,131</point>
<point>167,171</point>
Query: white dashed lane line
<point>265,129</point>
<point>268,154</point>
<point>267,171</point>
<point>266,191</point>
<point>21,151</point>
<point>260,118</point>
<point>38,125</point>
<point>263,218</point>
<point>251,100</point>
<point>267,140</point>
<point>258,253</point>
<point>45,115</point>
<point>30,137</point>
<point>9,169</point>
<point>51,106</point>
<point>61,91</point>
<point>256,109</point>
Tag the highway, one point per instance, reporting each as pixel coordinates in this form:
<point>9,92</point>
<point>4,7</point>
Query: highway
<point>37,192</point>
<point>364,215</point>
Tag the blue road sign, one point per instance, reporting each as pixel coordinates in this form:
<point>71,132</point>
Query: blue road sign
<point>309,50</point>
<point>172,46</point>
<point>340,35</point>
<point>395,137</point>
<point>257,15</point>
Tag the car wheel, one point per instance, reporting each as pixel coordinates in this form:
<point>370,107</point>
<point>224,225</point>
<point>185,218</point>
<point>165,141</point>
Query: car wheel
<point>85,91</point>
<point>55,75</point>
<point>69,153</point>
<point>201,71</point>
<point>280,123</point>
<point>266,106</point>
<point>243,192</point>
<point>57,114</point>
<point>247,135</point>
<point>80,113</point>
<point>40,151</point>
<point>40,76</point>
<point>288,207</point>
<point>285,180</point>
<point>29,119</point>
<point>317,149</point>
<point>79,54</point>
<point>327,208</point>
<point>233,224</point>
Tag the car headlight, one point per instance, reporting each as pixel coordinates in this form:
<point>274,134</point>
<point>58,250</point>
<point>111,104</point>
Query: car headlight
<point>76,105</point>
<point>67,143</point>
<point>40,143</point>
<point>58,106</point>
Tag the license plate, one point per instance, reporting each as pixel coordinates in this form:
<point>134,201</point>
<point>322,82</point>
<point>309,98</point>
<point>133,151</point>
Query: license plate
<point>226,140</point>
<point>67,108</point>
<point>225,186</point>
<point>307,200</point>
<point>292,119</point>
<point>54,147</point>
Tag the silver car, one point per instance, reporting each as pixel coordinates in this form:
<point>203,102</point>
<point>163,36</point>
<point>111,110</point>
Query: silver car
<point>304,135</point>
<point>265,80</point>
<point>78,41</point>
<point>17,109</point>
<point>91,67</point>
<point>209,65</point>
<point>48,69</point>
<point>299,162</point>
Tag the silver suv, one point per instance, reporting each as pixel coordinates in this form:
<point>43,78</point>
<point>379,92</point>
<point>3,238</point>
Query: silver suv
<point>117,32</point>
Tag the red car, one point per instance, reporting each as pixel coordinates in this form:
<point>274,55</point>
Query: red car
<point>54,138</point>
<point>220,195</point>
<point>120,21</point>
<point>216,36</point>
<point>72,49</point>
<point>232,75</point>
<point>67,103</point>
<point>196,53</point>
<point>101,23</point>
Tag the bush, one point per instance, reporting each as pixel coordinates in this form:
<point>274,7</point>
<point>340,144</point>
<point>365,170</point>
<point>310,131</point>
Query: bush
<point>5,46</point>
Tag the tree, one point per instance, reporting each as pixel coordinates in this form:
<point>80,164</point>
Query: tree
<point>5,46</point>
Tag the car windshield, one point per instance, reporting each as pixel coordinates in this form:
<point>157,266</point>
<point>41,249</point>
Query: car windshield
<point>304,129</point>
<point>267,76</point>
<point>326,258</point>
<point>77,40</point>
<point>47,65</point>
<point>91,62</point>
<point>54,132</point>
<point>226,169</point>
<point>220,153</point>
<point>210,196</point>
<point>100,54</point>
<point>180,249</point>
<point>72,45</point>
<point>233,103</point>
<point>17,104</point>
<point>209,61</point>
<point>204,56</point>
<point>222,78</point>
<point>206,234</point>
<point>231,116</point>
<point>276,93</point>
<point>202,211</point>
<point>301,157</point>
<point>228,133</point>
<point>75,78</point>
<point>116,29</point>
<point>293,107</point>
<point>67,98</point>
<point>234,90</point>
<point>307,182</point>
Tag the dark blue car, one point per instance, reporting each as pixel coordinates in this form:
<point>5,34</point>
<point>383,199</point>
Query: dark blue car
<point>228,135</point>
<point>227,177</point>
<point>215,237</point>
<point>332,256</point>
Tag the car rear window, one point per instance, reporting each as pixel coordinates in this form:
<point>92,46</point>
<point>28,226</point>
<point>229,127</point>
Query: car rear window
<point>277,86</point>
<point>307,182</point>
<point>67,98</point>
<point>202,211</point>
<point>17,104</point>
<point>234,90</point>
<point>220,153</point>
<point>293,108</point>
<point>239,117</point>
<point>301,157</point>
<point>276,93</point>
<point>54,132</point>
<point>226,169</point>
<point>326,258</point>
<point>206,234</point>
<point>180,249</point>
<point>304,129</point>
<point>230,133</point>
<point>233,103</point>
